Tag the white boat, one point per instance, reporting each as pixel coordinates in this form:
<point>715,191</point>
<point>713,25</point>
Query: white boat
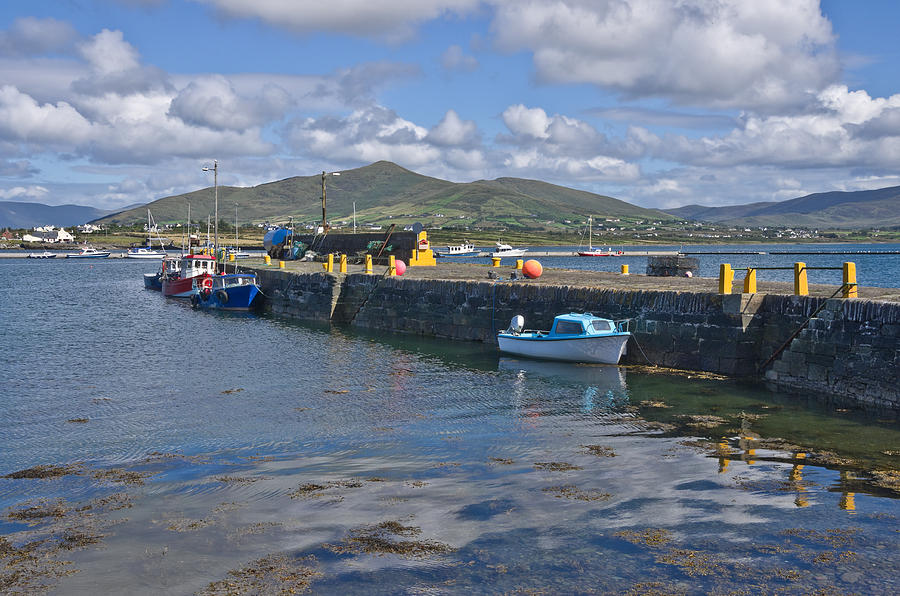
<point>238,253</point>
<point>42,255</point>
<point>145,252</point>
<point>574,337</point>
<point>466,249</point>
<point>88,252</point>
<point>596,252</point>
<point>505,250</point>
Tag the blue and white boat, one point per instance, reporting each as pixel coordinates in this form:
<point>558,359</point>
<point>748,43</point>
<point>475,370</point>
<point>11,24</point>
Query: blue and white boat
<point>232,291</point>
<point>88,252</point>
<point>574,337</point>
<point>465,249</point>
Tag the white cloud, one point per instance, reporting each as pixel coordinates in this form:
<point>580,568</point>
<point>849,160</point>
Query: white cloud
<point>212,102</point>
<point>108,53</point>
<point>32,36</point>
<point>454,58</point>
<point>454,131</point>
<point>393,19</point>
<point>23,192</point>
<point>22,119</point>
<point>531,122</point>
<point>730,53</point>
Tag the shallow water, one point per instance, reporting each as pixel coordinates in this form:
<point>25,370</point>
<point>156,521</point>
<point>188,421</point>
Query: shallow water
<point>256,436</point>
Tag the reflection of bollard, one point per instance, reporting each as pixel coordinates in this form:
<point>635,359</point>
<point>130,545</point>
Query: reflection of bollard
<point>392,265</point>
<point>624,269</point>
<point>343,265</point>
<point>519,263</point>
<point>281,264</point>
<point>801,285</point>
<point>369,264</point>
<point>268,260</point>
<point>495,261</point>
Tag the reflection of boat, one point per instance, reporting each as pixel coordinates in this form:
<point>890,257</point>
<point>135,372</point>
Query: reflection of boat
<point>234,291</point>
<point>596,252</point>
<point>465,249</point>
<point>505,250</point>
<point>600,385</point>
<point>42,255</point>
<point>194,274</point>
<point>88,252</point>
<point>573,337</point>
<point>168,266</point>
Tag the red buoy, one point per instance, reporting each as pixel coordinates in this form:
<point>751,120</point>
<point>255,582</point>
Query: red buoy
<point>532,269</point>
<point>400,266</point>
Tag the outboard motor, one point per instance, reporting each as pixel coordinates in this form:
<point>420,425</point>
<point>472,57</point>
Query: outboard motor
<point>516,324</point>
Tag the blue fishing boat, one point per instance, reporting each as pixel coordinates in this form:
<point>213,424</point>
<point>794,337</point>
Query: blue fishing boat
<point>574,337</point>
<point>232,291</point>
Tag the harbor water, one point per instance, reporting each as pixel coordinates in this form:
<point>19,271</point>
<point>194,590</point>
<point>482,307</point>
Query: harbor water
<point>148,448</point>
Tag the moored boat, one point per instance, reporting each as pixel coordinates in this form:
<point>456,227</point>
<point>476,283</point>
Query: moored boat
<point>42,255</point>
<point>574,337</point>
<point>596,252</point>
<point>144,252</point>
<point>193,275</point>
<point>466,249</point>
<point>88,252</point>
<point>168,266</point>
<point>505,250</point>
<point>232,291</point>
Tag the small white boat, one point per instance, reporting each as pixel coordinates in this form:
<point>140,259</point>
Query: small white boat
<point>505,250</point>
<point>88,252</point>
<point>596,252</point>
<point>574,337</point>
<point>238,253</point>
<point>145,252</point>
<point>466,249</point>
<point>42,255</point>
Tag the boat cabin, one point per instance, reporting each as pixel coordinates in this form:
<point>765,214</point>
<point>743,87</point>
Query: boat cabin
<point>582,324</point>
<point>194,265</point>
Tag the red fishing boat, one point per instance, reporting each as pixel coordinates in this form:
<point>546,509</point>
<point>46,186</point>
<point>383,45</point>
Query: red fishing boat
<point>194,277</point>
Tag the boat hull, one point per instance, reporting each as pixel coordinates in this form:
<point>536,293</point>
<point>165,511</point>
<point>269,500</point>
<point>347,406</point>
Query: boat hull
<point>157,255</point>
<point>181,287</point>
<point>509,253</point>
<point>98,255</point>
<point>603,349</point>
<point>152,281</point>
<point>447,255</point>
<point>239,297</point>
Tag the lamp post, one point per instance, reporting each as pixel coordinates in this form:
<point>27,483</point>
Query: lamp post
<point>215,170</point>
<point>324,221</point>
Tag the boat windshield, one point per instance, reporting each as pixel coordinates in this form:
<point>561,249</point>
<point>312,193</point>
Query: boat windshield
<point>601,325</point>
<point>569,328</point>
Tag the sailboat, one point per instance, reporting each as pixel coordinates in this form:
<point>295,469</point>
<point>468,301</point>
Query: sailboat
<point>591,251</point>
<point>147,252</point>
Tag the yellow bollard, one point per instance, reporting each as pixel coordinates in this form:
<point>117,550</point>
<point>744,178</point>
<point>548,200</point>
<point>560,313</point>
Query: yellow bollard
<point>368,264</point>
<point>392,265</point>
<point>519,264</point>
<point>495,261</point>
<point>343,264</point>
<point>726,278</point>
<point>268,260</point>
<point>750,281</point>
<point>281,264</point>
<point>625,270</point>
<point>329,266</point>
<point>801,286</point>
<point>850,287</point>
<point>231,256</point>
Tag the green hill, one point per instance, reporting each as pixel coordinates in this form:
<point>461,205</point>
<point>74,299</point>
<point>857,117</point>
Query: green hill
<point>860,209</point>
<point>386,193</point>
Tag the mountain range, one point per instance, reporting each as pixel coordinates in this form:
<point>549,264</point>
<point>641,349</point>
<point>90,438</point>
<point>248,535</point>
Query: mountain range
<point>859,209</point>
<point>14,214</point>
<point>384,192</point>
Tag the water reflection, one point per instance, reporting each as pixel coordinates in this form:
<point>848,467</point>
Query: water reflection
<point>601,385</point>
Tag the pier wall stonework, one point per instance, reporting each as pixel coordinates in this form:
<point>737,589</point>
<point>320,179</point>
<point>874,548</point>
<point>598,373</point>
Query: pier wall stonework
<point>849,351</point>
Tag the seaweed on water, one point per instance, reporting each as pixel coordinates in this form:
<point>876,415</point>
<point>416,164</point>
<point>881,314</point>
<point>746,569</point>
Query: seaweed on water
<point>572,492</point>
<point>651,537</point>
<point>120,475</point>
<point>600,450</point>
<point>380,539</point>
<point>556,466</point>
<point>39,511</point>
<point>273,574</point>
<point>47,471</point>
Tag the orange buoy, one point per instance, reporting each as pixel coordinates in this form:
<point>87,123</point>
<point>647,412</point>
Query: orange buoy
<point>400,266</point>
<point>532,269</point>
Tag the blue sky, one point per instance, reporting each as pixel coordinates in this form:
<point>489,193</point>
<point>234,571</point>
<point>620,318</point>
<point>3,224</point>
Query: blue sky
<point>660,103</point>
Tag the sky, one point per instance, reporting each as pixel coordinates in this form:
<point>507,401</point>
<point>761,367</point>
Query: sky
<point>661,103</point>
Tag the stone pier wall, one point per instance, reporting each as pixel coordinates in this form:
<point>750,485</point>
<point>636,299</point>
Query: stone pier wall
<point>849,350</point>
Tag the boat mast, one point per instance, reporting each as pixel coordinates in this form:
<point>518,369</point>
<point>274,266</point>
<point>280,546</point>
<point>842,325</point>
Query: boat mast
<point>590,234</point>
<point>354,217</point>
<point>215,170</point>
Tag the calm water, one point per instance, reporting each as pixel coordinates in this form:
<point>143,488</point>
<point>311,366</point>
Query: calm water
<point>257,437</point>
<point>877,270</point>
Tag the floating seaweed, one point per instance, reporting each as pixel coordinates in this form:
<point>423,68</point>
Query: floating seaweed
<point>380,539</point>
<point>556,466</point>
<point>273,574</point>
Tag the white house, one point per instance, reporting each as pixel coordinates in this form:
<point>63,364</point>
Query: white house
<point>49,235</point>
